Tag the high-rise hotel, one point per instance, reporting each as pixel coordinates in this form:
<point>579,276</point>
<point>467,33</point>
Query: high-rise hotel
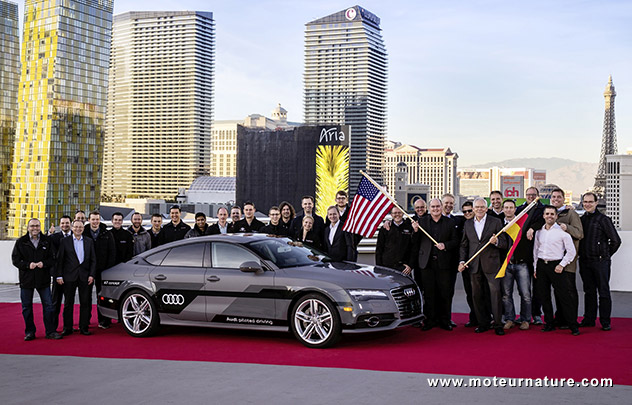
<point>345,83</point>
<point>9,79</point>
<point>160,103</point>
<point>61,110</point>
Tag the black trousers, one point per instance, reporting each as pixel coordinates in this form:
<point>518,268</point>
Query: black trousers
<point>85,303</point>
<point>547,277</point>
<point>572,284</point>
<point>486,288</point>
<point>467,286</point>
<point>596,278</point>
<point>437,284</point>
<point>104,320</point>
<point>57,296</point>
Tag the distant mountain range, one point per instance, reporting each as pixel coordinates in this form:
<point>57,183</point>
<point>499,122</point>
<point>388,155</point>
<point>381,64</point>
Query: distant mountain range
<point>566,173</point>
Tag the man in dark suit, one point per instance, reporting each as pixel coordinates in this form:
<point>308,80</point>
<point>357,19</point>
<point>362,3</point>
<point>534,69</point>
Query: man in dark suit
<point>58,290</point>
<point>76,269</point>
<point>483,269</point>
<point>337,243</point>
<point>435,265</point>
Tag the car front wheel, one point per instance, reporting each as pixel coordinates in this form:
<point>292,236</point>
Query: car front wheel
<point>138,314</point>
<point>315,321</point>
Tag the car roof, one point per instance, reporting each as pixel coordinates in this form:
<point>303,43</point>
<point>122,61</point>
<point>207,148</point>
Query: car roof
<point>240,238</point>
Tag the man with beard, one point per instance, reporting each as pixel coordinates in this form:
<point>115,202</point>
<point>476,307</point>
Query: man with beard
<point>142,239</point>
<point>287,215</point>
<point>393,245</point>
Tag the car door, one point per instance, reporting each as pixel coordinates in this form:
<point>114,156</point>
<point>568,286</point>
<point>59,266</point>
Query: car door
<point>179,281</point>
<point>237,297</point>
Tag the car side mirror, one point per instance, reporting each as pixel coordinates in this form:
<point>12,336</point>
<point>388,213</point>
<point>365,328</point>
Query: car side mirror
<point>250,267</point>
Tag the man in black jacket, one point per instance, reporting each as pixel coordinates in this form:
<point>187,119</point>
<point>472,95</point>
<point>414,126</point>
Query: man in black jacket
<point>600,242</point>
<point>393,245</point>
<point>174,230</point>
<point>76,270</point>
<point>249,224</point>
<point>123,240</point>
<point>65,224</point>
<point>274,227</point>
<point>155,232</point>
<point>34,257</point>
<point>534,223</point>
<point>222,226</point>
<point>104,251</point>
<point>200,228</point>
<point>435,265</point>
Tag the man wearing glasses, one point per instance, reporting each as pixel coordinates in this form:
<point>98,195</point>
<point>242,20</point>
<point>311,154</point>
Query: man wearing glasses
<point>600,242</point>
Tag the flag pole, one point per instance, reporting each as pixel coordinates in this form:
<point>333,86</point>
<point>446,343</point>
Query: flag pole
<point>397,205</point>
<point>513,221</point>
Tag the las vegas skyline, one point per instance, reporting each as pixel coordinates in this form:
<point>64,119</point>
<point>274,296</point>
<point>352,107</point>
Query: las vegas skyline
<point>525,77</point>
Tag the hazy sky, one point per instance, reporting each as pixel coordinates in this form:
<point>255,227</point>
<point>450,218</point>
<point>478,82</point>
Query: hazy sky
<point>490,79</point>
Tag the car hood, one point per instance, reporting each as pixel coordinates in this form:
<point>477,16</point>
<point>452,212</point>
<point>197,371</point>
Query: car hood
<point>352,275</point>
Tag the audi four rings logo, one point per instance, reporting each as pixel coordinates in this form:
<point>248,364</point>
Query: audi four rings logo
<point>409,292</point>
<point>173,299</point>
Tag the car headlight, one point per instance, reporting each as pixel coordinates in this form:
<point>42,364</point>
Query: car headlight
<point>365,295</point>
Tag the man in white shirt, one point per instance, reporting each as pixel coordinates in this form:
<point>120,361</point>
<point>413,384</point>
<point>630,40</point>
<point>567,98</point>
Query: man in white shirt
<point>553,250</point>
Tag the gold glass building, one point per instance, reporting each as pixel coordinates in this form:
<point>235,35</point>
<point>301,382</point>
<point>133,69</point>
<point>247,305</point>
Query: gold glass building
<point>9,79</point>
<point>62,100</point>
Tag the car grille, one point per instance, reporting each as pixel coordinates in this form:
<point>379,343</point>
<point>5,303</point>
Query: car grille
<point>409,305</point>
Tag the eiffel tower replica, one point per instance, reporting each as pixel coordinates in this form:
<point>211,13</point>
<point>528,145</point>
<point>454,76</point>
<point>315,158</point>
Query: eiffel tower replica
<point>608,143</point>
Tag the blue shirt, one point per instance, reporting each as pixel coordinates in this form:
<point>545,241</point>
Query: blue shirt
<point>78,248</point>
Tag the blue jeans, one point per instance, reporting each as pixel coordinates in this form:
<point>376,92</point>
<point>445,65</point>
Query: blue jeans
<point>26,296</point>
<point>520,273</point>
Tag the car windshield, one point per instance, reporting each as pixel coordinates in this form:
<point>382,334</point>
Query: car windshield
<point>286,253</point>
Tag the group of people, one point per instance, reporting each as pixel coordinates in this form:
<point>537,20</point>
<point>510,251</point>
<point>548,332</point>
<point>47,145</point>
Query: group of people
<point>432,247</point>
<point>552,238</point>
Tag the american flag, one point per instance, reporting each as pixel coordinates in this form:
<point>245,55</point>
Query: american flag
<point>370,206</point>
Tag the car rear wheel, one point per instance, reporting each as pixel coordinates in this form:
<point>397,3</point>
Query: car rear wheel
<point>138,314</point>
<point>315,321</point>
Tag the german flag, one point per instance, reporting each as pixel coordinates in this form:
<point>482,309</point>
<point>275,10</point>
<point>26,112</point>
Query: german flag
<point>514,232</point>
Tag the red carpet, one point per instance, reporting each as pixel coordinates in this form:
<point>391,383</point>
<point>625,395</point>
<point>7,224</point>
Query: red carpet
<point>529,354</point>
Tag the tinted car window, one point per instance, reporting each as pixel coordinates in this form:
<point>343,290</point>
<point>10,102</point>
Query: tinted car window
<point>285,253</point>
<point>157,258</point>
<point>229,256</point>
<point>185,256</point>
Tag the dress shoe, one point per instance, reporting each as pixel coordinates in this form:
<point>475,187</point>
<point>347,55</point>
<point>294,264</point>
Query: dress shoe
<point>481,329</point>
<point>453,324</point>
<point>500,331</point>
<point>446,327</point>
<point>29,336</point>
<point>471,324</point>
<point>427,326</point>
<point>508,325</point>
<point>524,325</point>
<point>548,328</point>
<point>85,332</point>
<point>574,331</point>
<point>66,332</point>
<point>54,336</point>
<point>606,327</point>
<point>586,324</point>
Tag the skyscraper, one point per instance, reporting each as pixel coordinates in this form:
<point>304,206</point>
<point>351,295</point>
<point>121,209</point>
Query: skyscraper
<point>160,103</point>
<point>345,83</point>
<point>61,110</point>
<point>9,79</point>
<point>608,139</point>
